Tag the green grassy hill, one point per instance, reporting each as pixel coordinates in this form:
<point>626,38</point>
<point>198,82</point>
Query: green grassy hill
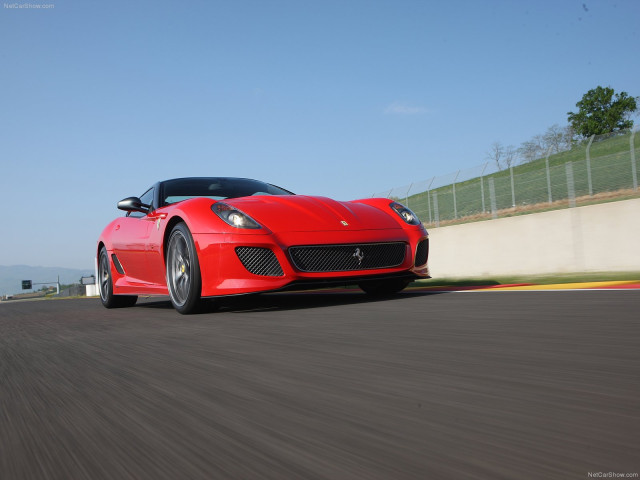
<point>611,171</point>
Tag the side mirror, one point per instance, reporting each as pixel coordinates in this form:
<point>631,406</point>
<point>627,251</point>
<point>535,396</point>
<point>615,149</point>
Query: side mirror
<point>133,204</point>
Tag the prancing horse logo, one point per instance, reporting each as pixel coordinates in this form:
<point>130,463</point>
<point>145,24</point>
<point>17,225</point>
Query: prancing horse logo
<point>358,255</point>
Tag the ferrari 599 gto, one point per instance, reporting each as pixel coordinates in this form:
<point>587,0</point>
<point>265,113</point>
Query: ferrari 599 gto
<point>207,237</point>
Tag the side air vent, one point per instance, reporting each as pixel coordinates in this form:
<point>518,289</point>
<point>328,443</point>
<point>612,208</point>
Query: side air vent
<point>117,264</point>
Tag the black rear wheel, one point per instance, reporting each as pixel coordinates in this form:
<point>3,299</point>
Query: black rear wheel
<point>107,296</point>
<point>183,270</point>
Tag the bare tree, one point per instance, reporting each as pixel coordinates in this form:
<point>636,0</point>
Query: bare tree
<point>510,156</point>
<point>568,137</point>
<point>553,138</point>
<point>556,137</point>
<point>541,145</point>
<point>496,154</point>
<point>528,151</point>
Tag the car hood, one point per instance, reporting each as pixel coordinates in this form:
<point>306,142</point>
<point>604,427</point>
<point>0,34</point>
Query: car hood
<point>300,213</point>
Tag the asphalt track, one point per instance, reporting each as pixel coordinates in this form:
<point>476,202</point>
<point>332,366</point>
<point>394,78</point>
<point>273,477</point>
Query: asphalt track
<point>508,385</point>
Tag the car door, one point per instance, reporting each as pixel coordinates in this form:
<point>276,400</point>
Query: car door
<point>155,269</point>
<point>130,242</point>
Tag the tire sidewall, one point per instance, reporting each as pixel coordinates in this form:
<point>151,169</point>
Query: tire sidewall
<point>192,301</point>
<point>107,297</point>
<point>110,300</point>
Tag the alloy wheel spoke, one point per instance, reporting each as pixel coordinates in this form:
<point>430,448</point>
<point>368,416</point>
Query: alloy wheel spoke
<point>179,268</point>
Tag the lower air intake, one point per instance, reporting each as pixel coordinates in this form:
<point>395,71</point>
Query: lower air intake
<point>260,261</point>
<point>422,253</point>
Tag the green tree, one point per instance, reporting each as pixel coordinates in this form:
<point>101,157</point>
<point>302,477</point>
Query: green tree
<point>601,111</point>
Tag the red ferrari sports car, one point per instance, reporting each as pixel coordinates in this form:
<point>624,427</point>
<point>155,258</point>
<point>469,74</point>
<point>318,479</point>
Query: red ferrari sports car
<point>201,238</point>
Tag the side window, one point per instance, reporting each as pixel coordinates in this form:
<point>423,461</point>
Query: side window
<point>146,198</point>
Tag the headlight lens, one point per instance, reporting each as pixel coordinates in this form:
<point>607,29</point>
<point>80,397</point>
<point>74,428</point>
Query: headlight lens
<point>233,216</point>
<point>406,214</point>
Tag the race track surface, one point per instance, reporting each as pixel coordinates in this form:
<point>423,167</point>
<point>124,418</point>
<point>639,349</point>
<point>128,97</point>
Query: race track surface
<point>511,385</point>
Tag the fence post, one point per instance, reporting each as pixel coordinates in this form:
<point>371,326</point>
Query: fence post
<point>455,205</point>
<point>406,195</point>
<point>571,189</point>
<point>546,160</point>
<point>482,185</point>
<point>492,196</point>
<point>513,189</point>
<point>429,196</point>
<point>435,208</point>
<point>633,160</point>
<point>589,165</point>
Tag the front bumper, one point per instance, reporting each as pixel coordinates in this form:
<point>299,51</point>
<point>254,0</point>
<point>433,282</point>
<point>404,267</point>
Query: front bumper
<point>223,273</point>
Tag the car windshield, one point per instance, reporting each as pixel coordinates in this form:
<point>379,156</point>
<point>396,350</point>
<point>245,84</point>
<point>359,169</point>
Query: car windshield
<point>216,188</point>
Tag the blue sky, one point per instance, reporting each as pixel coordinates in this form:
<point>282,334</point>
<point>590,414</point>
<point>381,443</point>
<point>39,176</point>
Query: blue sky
<point>98,100</point>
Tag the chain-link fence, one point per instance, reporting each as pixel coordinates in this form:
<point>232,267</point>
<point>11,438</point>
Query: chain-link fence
<point>596,169</point>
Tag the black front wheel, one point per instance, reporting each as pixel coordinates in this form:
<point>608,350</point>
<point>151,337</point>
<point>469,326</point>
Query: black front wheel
<point>183,270</point>
<point>107,296</point>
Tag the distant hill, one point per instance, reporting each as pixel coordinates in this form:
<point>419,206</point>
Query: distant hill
<point>11,277</point>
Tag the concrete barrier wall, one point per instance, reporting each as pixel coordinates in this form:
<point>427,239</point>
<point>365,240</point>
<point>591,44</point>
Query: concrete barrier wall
<point>603,237</point>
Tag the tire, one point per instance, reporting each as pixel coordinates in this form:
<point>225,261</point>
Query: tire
<point>107,297</point>
<point>384,288</point>
<point>183,271</point>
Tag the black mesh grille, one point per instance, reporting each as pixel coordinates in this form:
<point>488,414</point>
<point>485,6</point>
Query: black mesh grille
<point>422,253</point>
<point>260,261</point>
<point>342,258</point>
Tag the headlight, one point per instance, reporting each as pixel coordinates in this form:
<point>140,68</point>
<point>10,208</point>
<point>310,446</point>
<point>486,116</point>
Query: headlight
<point>233,216</point>
<point>406,214</point>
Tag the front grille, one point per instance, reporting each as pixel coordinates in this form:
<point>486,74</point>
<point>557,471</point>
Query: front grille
<point>344,258</point>
<point>422,253</point>
<point>260,261</point>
